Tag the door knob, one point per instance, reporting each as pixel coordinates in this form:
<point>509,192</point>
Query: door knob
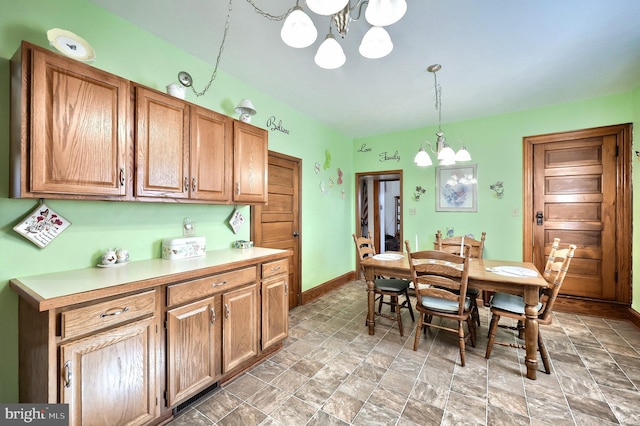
<point>539,217</point>
<point>296,234</point>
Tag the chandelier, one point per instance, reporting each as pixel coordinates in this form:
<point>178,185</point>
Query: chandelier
<point>299,31</point>
<point>445,154</point>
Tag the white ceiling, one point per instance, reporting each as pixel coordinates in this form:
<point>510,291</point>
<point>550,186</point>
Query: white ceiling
<point>497,56</point>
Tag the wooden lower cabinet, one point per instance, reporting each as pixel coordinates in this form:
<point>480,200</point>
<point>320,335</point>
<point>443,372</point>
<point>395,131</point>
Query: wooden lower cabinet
<point>239,327</point>
<point>193,348</point>
<point>109,358</point>
<point>109,378</point>
<point>275,306</point>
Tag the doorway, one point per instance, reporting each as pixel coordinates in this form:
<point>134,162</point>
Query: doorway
<point>277,224</point>
<point>379,208</point>
<point>577,187</point>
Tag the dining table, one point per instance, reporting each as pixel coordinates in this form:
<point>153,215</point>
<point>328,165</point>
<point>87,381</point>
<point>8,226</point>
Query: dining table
<point>513,277</point>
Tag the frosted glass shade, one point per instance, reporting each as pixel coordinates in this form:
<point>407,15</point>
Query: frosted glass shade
<point>330,54</point>
<point>298,30</point>
<point>422,159</point>
<point>326,7</point>
<point>463,155</point>
<point>384,12</point>
<point>376,43</point>
<point>446,154</point>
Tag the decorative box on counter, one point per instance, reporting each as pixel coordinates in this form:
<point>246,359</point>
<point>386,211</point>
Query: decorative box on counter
<point>242,244</point>
<point>183,248</point>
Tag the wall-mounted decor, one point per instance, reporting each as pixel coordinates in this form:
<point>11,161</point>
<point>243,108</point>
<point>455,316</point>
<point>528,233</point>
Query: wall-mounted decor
<point>273,125</point>
<point>42,226</point>
<point>457,189</point>
<point>498,188</point>
<point>420,191</point>
<point>327,159</point>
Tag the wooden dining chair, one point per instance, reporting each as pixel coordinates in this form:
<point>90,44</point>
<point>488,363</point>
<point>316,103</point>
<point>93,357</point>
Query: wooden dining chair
<point>512,306</point>
<point>391,287</point>
<point>440,280</point>
<point>454,245</point>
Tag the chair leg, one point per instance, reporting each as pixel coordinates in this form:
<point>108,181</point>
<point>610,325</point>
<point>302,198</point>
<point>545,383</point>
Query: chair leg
<point>475,313</point>
<point>398,314</point>
<point>461,341</point>
<point>380,304</point>
<point>406,295</point>
<point>492,334</point>
<point>471,325</point>
<point>543,354</point>
<point>418,327</point>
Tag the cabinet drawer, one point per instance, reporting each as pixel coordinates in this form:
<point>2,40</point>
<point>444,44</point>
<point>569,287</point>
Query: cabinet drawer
<point>278,267</point>
<point>107,314</point>
<point>203,287</point>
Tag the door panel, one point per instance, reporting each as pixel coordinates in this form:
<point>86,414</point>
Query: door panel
<point>574,181</point>
<point>276,224</point>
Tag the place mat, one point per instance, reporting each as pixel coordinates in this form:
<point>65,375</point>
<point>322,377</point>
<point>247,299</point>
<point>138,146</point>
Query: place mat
<point>513,271</point>
<point>388,256</point>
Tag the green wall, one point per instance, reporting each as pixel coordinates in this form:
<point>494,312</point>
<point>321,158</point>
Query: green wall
<point>327,218</point>
<point>495,144</point>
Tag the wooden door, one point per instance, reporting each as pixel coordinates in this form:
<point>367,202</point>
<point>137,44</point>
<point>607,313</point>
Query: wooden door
<point>193,348</point>
<point>277,224</point>
<point>579,191</point>
<point>109,378</point>
<point>79,130</point>
<point>210,155</point>
<point>162,145</point>
<point>275,310</point>
<point>239,327</point>
<point>250,147</point>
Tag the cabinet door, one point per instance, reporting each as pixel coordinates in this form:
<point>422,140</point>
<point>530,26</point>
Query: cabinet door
<point>79,132</point>
<point>110,378</point>
<point>162,145</point>
<point>240,326</point>
<point>193,348</point>
<point>211,155</point>
<point>250,150</point>
<point>275,310</point>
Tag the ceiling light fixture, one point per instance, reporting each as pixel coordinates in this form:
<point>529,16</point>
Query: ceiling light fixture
<point>298,29</point>
<point>445,154</point>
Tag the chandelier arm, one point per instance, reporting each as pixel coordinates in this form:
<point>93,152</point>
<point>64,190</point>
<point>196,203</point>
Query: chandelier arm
<point>361,4</point>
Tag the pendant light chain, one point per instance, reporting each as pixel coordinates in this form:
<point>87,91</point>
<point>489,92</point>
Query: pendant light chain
<point>215,70</point>
<point>438,100</point>
<point>269,16</point>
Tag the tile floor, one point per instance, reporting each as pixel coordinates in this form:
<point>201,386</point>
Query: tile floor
<point>331,372</point>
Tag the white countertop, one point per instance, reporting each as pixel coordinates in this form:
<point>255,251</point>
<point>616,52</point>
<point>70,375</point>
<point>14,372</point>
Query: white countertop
<point>44,290</point>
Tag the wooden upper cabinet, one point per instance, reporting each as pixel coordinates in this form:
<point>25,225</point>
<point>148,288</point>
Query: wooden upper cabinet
<point>211,155</point>
<point>250,164</point>
<point>69,128</point>
<point>182,150</point>
<point>162,145</point>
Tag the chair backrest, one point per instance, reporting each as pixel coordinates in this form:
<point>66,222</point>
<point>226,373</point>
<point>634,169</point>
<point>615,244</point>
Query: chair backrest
<point>554,273</point>
<point>454,244</point>
<point>436,272</point>
<point>365,247</point>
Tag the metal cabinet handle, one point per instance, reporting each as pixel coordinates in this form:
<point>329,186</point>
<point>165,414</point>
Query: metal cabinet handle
<point>122,175</point>
<point>237,188</point>
<point>186,184</point>
<point>219,284</point>
<point>193,184</point>
<point>277,268</point>
<point>67,367</point>
<point>213,315</point>
<point>111,312</point>
<point>227,312</point>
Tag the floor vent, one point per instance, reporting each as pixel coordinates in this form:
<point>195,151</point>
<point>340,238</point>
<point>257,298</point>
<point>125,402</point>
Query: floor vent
<point>183,406</point>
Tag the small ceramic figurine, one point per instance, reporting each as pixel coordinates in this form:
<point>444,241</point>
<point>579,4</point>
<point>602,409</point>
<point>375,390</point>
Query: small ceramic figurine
<point>122,255</point>
<point>109,257</point>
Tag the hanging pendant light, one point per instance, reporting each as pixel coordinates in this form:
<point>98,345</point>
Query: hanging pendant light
<point>330,54</point>
<point>326,7</point>
<point>385,12</point>
<point>298,30</point>
<point>376,43</point>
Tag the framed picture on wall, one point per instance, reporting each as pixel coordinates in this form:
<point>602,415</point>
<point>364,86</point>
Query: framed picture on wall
<point>457,188</point>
